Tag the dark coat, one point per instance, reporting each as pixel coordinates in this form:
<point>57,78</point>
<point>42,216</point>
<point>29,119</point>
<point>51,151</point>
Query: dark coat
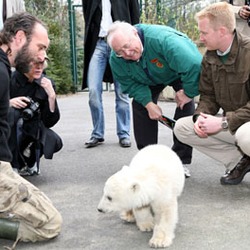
<point>37,129</point>
<point>5,154</point>
<point>226,85</point>
<point>123,10</point>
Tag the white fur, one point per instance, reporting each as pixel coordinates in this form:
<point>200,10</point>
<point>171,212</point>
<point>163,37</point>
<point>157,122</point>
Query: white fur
<point>147,192</point>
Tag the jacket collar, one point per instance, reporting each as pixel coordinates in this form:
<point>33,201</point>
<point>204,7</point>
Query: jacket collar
<point>212,57</point>
<point>140,34</point>
<point>21,78</point>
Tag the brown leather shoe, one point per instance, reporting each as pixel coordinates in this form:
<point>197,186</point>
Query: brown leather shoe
<point>236,175</point>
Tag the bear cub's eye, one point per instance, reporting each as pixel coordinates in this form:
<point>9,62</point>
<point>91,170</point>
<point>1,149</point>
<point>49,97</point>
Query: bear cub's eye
<point>109,198</point>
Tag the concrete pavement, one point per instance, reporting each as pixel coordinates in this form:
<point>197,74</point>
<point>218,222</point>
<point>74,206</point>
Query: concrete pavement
<point>211,216</point>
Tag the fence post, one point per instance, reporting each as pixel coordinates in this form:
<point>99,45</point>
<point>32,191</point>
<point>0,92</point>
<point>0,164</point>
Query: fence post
<point>72,44</point>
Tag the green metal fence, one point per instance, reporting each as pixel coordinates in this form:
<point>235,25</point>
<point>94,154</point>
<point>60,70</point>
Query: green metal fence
<point>73,45</point>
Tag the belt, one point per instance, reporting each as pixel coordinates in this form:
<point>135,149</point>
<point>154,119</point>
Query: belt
<point>102,38</point>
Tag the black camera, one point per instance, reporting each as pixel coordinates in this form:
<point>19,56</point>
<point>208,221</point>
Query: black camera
<point>28,112</point>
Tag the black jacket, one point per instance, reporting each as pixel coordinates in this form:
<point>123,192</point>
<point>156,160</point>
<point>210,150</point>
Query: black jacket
<point>123,10</point>
<point>37,128</point>
<point>5,154</point>
<point>20,86</point>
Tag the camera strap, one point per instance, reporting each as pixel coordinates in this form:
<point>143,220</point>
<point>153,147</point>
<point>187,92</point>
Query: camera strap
<point>38,146</point>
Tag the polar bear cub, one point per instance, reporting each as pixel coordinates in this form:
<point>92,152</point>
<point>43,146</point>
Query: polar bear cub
<point>146,192</point>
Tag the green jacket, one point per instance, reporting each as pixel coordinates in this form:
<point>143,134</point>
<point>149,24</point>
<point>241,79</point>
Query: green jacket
<point>168,55</point>
<point>227,85</point>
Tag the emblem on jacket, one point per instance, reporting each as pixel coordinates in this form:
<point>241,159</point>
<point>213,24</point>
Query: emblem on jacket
<point>157,63</point>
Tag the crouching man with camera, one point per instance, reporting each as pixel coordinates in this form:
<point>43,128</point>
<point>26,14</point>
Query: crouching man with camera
<point>33,111</point>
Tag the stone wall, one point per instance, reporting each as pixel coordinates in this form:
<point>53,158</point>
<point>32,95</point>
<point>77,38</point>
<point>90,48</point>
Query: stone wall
<point>168,95</point>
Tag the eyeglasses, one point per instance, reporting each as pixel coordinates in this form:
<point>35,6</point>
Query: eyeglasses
<point>124,48</point>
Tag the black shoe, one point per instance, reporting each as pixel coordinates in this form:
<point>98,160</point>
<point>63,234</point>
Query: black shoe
<point>236,175</point>
<point>93,142</point>
<point>125,142</point>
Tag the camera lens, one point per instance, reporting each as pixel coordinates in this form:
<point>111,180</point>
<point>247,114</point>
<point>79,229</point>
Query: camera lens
<point>29,112</point>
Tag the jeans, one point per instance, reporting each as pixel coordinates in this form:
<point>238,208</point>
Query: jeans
<point>96,71</point>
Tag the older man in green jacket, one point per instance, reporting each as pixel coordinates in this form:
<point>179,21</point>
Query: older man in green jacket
<point>147,58</point>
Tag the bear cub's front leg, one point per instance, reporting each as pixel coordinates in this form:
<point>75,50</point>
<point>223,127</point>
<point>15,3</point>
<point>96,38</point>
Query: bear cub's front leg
<point>127,216</point>
<point>165,222</point>
<point>144,218</point>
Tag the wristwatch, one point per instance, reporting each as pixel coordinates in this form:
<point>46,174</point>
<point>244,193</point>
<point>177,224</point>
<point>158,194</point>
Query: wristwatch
<point>224,123</point>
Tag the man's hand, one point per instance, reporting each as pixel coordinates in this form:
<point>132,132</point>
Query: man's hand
<point>207,124</point>
<point>47,85</point>
<point>181,99</point>
<point>19,102</point>
<point>244,12</point>
<point>154,111</point>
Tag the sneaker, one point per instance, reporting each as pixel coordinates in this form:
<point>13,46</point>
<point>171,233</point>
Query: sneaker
<point>186,171</point>
<point>26,171</point>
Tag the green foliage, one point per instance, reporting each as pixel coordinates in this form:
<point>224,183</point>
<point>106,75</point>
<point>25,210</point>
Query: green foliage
<point>59,66</point>
<point>54,15</point>
<point>80,56</point>
<point>176,14</point>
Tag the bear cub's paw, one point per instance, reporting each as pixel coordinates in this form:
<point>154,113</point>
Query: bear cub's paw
<point>159,242</point>
<point>127,216</point>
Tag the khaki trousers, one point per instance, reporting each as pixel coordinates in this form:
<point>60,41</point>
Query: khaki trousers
<point>23,202</point>
<point>223,146</point>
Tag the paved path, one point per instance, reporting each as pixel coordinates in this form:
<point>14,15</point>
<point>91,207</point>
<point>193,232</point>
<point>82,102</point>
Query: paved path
<point>211,216</point>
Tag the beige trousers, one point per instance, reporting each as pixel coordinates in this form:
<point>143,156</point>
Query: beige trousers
<point>23,202</point>
<point>223,146</point>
